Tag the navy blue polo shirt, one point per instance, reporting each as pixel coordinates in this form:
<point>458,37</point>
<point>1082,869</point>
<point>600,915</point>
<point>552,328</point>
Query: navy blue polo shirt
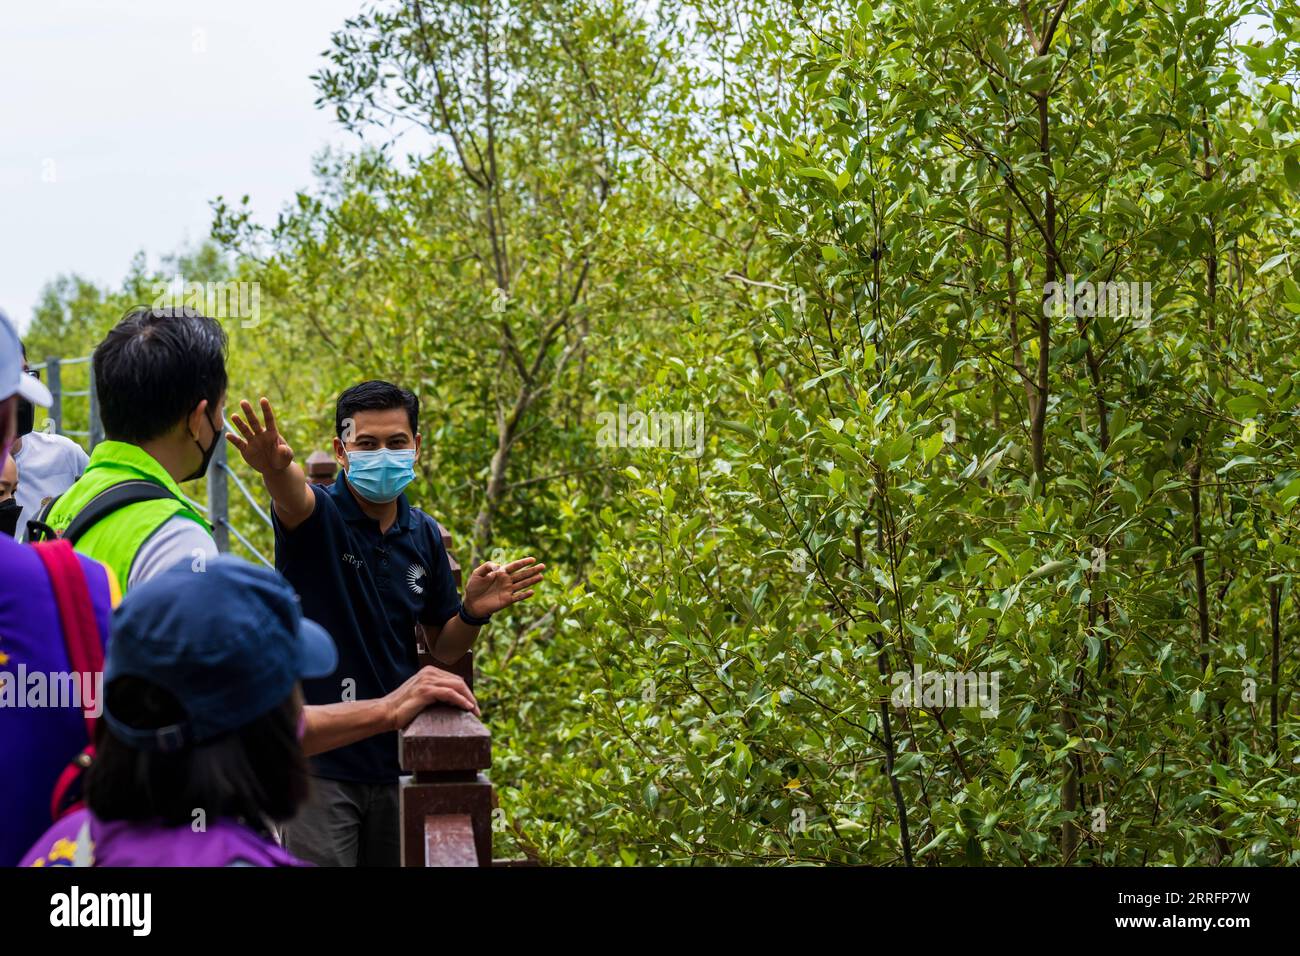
<point>368,590</point>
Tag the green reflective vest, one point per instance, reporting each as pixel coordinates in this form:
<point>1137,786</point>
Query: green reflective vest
<point>116,539</point>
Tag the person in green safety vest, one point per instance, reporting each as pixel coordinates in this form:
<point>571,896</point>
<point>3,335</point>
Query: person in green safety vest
<point>160,378</point>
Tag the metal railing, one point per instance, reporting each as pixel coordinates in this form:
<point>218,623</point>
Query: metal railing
<point>218,504</point>
<point>218,475</point>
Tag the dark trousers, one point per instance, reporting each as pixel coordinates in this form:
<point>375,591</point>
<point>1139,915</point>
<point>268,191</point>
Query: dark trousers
<point>347,824</point>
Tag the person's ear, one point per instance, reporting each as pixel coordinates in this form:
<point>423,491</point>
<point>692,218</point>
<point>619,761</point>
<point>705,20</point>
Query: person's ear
<point>417,444</point>
<point>340,458</point>
<point>194,423</point>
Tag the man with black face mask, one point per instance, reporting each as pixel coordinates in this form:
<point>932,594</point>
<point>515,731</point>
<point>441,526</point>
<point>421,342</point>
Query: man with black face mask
<point>160,376</point>
<point>48,463</point>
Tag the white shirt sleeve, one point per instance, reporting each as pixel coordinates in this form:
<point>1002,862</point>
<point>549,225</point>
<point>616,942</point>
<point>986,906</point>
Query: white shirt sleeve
<point>177,539</point>
<point>77,459</point>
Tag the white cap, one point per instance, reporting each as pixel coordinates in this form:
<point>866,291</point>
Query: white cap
<point>13,380</point>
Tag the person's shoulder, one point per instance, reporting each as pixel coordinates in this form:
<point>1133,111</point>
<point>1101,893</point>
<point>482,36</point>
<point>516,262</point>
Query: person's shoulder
<point>178,538</point>
<point>326,518</point>
<point>75,451</point>
<point>327,505</point>
<point>419,514</point>
<point>58,445</point>
<point>103,575</point>
<point>426,523</point>
<point>183,530</point>
<point>427,535</point>
<point>15,555</point>
<point>59,844</point>
<point>54,440</point>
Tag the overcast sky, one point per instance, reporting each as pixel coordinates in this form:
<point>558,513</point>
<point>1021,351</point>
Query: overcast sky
<point>120,121</point>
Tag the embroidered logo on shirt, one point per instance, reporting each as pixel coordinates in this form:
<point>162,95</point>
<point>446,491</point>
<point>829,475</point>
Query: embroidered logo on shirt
<point>353,560</point>
<point>413,575</point>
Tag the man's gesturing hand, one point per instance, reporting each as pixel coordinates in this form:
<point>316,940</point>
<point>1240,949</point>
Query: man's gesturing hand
<point>429,686</point>
<point>263,448</point>
<point>492,587</point>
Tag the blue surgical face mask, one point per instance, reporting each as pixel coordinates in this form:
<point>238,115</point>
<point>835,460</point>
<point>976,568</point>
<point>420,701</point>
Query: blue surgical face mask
<point>379,476</point>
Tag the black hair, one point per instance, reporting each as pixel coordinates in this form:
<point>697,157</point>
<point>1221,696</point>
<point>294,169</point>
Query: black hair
<point>153,367</point>
<point>256,772</point>
<point>375,396</point>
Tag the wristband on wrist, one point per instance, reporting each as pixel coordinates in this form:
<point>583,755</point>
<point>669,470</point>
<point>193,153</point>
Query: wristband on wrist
<point>471,619</point>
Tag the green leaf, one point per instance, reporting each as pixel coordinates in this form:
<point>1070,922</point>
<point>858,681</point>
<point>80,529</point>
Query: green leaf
<point>1051,567</point>
<point>812,172</point>
<point>999,548</point>
<point>739,428</point>
<point>1245,406</point>
<point>742,759</point>
<point>1273,261</point>
<point>906,762</point>
<point>1236,460</point>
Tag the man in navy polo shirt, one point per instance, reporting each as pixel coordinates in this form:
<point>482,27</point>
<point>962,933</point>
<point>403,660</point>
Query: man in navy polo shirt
<point>372,570</point>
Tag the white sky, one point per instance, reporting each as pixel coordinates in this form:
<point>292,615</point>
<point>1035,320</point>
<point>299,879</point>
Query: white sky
<point>142,121</point>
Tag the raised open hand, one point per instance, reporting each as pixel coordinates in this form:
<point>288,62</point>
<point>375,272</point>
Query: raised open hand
<point>493,586</point>
<point>263,447</point>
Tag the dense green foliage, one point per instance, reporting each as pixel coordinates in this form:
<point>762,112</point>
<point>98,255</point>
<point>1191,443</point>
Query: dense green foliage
<point>833,232</point>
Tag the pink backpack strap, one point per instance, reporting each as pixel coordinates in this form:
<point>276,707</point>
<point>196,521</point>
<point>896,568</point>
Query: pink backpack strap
<point>85,647</point>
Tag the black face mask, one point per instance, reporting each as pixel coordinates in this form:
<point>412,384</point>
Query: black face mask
<point>9,512</point>
<point>206,452</point>
<point>26,417</point>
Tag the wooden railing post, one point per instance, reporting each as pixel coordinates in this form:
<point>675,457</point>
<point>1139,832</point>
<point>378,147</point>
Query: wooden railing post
<point>446,805</point>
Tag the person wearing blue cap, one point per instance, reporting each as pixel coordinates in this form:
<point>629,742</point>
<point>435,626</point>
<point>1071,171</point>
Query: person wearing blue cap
<point>200,751</point>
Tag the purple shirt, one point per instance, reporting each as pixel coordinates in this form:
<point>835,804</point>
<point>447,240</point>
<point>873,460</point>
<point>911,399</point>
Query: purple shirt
<point>36,742</point>
<point>121,843</point>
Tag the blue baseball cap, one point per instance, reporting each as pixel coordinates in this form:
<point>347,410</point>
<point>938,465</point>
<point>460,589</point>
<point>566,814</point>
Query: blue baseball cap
<point>227,640</point>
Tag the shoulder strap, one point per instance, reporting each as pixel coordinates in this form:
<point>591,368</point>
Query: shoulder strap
<point>109,500</point>
<point>37,527</point>
<point>85,645</point>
